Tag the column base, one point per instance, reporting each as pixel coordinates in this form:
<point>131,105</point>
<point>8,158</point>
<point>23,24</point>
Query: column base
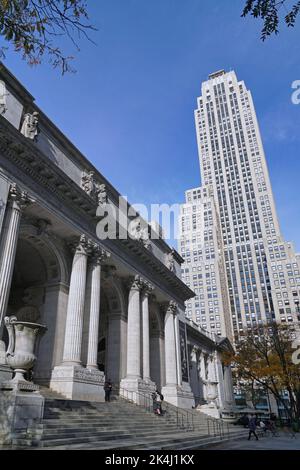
<point>210,409</point>
<point>137,390</point>
<point>180,396</point>
<point>229,413</point>
<point>78,383</point>
<point>137,385</point>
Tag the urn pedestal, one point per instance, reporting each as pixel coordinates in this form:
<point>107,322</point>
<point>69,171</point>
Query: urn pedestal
<point>21,405</point>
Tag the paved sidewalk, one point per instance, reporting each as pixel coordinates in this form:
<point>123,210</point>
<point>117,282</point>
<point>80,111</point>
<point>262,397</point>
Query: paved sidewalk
<point>282,442</point>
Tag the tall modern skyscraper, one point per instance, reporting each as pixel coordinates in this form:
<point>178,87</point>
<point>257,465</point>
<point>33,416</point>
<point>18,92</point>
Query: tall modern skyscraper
<point>201,247</point>
<point>262,270</point>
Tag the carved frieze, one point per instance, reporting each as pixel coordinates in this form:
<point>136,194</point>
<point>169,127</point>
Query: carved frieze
<point>78,374</point>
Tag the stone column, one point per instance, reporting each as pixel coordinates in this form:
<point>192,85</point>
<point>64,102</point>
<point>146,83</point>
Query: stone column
<point>18,200</point>
<point>70,378</point>
<point>146,339</point>
<point>176,393</point>
<point>211,369</point>
<point>178,351</point>
<point>202,366</point>
<point>220,379</point>
<point>74,322</point>
<point>194,374</point>
<point>99,256</point>
<point>133,331</point>
<point>170,345</point>
<point>228,386</point>
<point>203,377</point>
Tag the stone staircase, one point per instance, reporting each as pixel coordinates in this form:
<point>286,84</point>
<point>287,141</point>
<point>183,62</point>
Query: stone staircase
<point>70,424</point>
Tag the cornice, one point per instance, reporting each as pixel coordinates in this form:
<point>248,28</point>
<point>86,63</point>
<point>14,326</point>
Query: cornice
<point>12,82</point>
<point>31,161</point>
<point>74,153</point>
<point>199,335</point>
<point>157,267</point>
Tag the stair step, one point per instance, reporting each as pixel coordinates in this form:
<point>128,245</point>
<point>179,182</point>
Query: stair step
<point>76,424</point>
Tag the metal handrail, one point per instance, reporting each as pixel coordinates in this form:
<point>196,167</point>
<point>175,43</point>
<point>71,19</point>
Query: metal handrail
<point>138,398</point>
<point>217,427</point>
<point>183,419</point>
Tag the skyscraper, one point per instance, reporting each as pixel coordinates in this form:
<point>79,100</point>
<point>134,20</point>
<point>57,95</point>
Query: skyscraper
<point>262,270</point>
<point>204,269</point>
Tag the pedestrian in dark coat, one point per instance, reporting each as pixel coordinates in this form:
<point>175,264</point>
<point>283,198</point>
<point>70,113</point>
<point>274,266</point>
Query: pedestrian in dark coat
<point>107,389</point>
<point>252,428</point>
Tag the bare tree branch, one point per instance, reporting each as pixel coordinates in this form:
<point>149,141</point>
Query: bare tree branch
<point>33,25</point>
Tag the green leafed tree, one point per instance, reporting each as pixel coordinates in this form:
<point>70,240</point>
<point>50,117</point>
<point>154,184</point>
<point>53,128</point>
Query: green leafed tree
<point>35,28</point>
<point>272,12</point>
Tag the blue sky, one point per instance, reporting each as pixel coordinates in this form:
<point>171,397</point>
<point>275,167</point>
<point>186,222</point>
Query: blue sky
<point>129,108</point>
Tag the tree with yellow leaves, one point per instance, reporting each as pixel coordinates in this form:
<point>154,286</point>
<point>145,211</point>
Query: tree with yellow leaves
<point>265,357</point>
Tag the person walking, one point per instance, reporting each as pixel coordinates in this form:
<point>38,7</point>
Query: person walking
<point>107,389</point>
<point>159,399</point>
<point>252,428</point>
<point>155,403</point>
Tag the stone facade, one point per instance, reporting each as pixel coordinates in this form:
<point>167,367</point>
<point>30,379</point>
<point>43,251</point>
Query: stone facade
<point>112,308</point>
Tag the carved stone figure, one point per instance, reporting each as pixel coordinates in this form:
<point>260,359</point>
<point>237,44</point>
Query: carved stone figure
<point>30,125</point>
<point>101,193</point>
<point>95,190</point>
<point>139,231</point>
<point>170,262</point>
<point>3,94</point>
<point>88,183</point>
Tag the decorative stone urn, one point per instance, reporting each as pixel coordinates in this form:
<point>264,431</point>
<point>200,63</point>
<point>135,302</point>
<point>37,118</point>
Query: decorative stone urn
<point>20,354</point>
<point>211,392</point>
<point>211,396</point>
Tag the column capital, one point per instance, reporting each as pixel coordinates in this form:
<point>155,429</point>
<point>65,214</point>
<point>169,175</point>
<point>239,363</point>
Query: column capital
<point>170,307</point>
<point>196,349</point>
<point>147,288</point>
<point>19,198</point>
<point>98,254</point>
<point>81,245</point>
<point>135,283</point>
